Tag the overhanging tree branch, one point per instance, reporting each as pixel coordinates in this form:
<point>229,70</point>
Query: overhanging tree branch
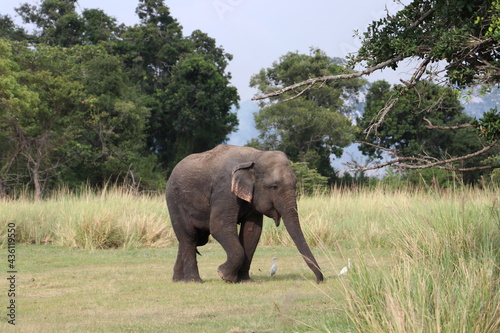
<point>311,82</point>
<point>389,105</point>
<point>424,162</point>
<point>431,126</point>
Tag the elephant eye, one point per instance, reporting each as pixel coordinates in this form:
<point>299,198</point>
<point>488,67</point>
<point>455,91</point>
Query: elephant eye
<point>273,187</point>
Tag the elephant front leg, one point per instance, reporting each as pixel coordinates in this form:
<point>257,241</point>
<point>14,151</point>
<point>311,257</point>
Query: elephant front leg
<point>227,236</point>
<point>250,232</point>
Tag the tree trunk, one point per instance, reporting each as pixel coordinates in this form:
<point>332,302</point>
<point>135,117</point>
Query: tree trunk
<point>37,183</point>
<point>3,189</point>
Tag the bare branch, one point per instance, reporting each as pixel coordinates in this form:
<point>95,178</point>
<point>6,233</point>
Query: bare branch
<point>430,126</point>
<point>367,71</point>
<point>311,82</point>
<point>381,116</point>
<point>300,93</point>
<point>391,151</point>
<point>423,163</point>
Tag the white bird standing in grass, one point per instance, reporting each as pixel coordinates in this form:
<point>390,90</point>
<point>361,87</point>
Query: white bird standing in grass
<point>274,268</point>
<point>344,270</point>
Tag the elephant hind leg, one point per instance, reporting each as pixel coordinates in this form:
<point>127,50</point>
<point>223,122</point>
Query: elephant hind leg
<point>186,266</point>
<point>179,267</point>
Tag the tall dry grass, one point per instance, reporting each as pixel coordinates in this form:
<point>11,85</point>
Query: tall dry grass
<point>446,276</point>
<point>119,217</point>
<point>111,218</point>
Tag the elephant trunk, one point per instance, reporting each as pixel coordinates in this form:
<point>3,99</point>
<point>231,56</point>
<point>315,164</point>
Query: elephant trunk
<point>291,221</point>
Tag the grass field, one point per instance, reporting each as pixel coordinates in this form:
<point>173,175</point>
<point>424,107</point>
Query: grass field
<point>102,262</point>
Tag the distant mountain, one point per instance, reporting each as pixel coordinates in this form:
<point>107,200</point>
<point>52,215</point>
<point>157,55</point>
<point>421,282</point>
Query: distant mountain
<point>246,129</point>
<point>478,105</point>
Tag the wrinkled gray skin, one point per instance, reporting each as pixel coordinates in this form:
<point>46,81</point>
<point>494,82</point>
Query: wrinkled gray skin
<point>211,192</point>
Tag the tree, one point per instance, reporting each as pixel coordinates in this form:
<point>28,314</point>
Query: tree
<point>41,131</point>
<point>314,126</point>
<point>9,30</point>
<point>15,99</point>
<point>84,122</point>
<point>404,129</point>
<point>99,27</point>
<point>185,79</point>
<point>60,23</point>
<point>464,34</point>
<point>308,180</point>
<point>112,145</point>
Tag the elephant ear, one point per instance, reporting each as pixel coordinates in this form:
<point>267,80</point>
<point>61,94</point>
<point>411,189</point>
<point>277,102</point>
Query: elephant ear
<point>242,181</point>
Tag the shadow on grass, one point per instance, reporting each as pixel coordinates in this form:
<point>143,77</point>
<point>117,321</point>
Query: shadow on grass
<point>266,279</point>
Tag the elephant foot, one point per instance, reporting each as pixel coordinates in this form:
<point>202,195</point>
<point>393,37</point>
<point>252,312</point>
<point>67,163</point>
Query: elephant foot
<point>197,280</point>
<point>244,277</point>
<point>222,277</point>
<point>185,279</point>
<point>226,278</point>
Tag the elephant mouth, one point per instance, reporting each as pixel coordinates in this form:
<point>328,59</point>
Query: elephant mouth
<point>276,217</point>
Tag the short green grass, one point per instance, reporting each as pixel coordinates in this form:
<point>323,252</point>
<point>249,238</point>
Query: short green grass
<point>67,290</point>
<point>422,261</point>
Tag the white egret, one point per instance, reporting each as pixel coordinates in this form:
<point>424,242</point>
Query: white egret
<point>344,270</point>
<point>274,268</point>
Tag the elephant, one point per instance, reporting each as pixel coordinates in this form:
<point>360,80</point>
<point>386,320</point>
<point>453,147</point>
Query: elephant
<point>210,193</point>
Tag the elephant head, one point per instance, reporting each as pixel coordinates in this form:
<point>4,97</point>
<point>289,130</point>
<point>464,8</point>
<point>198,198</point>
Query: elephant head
<point>268,183</point>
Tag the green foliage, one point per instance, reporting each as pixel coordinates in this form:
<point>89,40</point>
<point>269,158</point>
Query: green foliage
<point>9,30</point>
<point>313,126</point>
<point>404,127</point>
<point>42,132</point>
<point>489,125</point>
<point>98,27</point>
<point>463,33</point>
<point>60,23</point>
<point>309,181</point>
<point>198,99</point>
<point>17,99</point>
